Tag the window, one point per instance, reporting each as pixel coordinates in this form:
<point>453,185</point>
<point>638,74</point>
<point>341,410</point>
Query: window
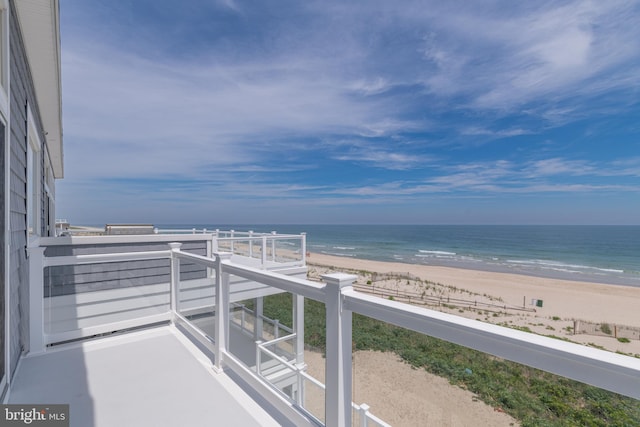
<point>34,163</point>
<point>4,56</point>
<point>49,197</point>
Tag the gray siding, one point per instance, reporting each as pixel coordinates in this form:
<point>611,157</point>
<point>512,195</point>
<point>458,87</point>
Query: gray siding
<point>3,212</point>
<point>22,94</point>
<point>66,280</point>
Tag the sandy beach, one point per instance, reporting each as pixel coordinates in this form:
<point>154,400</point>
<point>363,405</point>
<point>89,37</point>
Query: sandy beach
<point>431,400</point>
<point>562,300</point>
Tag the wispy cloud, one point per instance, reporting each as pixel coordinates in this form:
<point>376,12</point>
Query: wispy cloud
<point>321,102</point>
<point>165,114</point>
<point>504,59</point>
<point>506,177</point>
<point>500,133</point>
<point>557,166</point>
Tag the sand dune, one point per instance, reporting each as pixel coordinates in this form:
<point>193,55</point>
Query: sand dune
<point>426,399</point>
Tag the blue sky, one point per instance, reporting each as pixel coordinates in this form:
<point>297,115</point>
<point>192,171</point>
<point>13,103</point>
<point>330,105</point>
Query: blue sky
<point>219,112</point>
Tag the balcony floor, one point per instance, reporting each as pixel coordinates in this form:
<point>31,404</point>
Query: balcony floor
<point>154,377</point>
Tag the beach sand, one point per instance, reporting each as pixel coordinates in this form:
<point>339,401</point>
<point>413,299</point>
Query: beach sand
<point>430,400</point>
<point>563,300</point>
<point>427,400</point>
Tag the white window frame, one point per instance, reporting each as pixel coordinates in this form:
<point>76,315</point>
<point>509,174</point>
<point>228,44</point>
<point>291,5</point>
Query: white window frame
<point>34,196</point>
<point>5,113</point>
<point>7,292</point>
<point>4,57</point>
<point>49,193</point>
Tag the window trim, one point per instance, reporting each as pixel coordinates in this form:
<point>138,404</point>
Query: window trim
<point>6,346</point>
<point>5,117</point>
<point>4,57</point>
<point>34,152</point>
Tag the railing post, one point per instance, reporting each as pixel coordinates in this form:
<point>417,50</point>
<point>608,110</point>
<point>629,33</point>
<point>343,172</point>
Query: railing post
<point>258,357</point>
<point>259,322</point>
<point>364,412</point>
<point>210,248</point>
<point>214,242</point>
<point>338,352</point>
<point>300,393</point>
<point>36,299</point>
<point>276,329</point>
<point>303,247</point>
<point>175,276</point>
<point>250,243</point>
<point>222,309</point>
<point>298,328</point>
<point>273,246</point>
<point>232,241</point>
<point>264,251</point>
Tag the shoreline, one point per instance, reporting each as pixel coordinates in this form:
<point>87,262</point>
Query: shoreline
<point>563,301</point>
<point>555,273</point>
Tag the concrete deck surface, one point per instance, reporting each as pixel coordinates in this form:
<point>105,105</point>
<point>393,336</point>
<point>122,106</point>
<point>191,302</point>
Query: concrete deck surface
<point>154,377</point>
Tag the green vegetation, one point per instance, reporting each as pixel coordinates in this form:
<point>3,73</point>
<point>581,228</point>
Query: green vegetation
<point>533,397</point>
<point>624,340</point>
<point>604,327</point>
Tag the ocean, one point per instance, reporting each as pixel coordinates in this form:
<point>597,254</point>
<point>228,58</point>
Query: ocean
<point>603,254</point>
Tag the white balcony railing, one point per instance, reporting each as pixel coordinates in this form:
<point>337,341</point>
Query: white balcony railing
<point>140,292</point>
<point>610,371</point>
<point>281,248</point>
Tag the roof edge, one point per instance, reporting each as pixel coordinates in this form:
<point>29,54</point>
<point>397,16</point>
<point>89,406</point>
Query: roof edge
<point>40,26</point>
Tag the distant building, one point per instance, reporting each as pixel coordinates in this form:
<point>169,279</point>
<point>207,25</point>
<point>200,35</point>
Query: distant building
<point>120,229</point>
<point>62,227</point>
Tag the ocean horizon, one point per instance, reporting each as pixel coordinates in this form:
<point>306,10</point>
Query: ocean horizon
<point>602,253</point>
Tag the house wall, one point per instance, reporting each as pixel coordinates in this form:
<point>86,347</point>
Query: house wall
<point>22,95</point>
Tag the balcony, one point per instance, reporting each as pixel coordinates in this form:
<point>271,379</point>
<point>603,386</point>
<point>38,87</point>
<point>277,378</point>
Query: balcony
<point>169,330</point>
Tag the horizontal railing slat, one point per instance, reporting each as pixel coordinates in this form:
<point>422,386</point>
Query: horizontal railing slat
<point>202,260</point>
<point>306,288</point>
<point>103,258</point>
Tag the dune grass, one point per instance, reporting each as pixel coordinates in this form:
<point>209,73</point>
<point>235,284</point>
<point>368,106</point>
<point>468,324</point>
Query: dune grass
<point>533,397</point>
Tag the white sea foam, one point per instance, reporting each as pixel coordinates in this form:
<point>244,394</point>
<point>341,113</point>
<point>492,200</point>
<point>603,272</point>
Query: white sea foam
<point>611,270</point>
<point>344,248</point>
<point>422,251</point>
<point>558,266</point>
<point>338,254</point>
